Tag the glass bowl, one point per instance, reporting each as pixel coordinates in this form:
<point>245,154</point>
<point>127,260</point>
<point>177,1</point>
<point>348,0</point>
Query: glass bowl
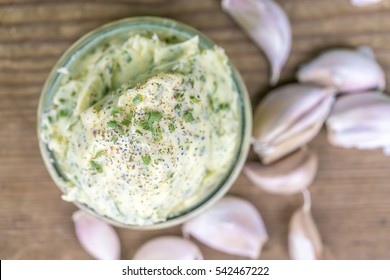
<point>162,27</point>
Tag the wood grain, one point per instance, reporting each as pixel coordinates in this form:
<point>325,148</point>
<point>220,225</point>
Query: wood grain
<point>351,195</point>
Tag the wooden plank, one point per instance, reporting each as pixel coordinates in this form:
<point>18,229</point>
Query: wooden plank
<point>350,195</point>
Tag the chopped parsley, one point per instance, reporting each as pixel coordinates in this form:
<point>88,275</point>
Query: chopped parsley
<point>179,96</point>
<point>137,99</point>
<point>194,99</point>
<point>63,113</point>
<point>100,153</point>
<point>188,117</point>
<point>139,132</point>
<point>152,117</point>
<point>115,111</point>
<point>223,106</point>
<point>127,120</point>
<point>114,139</point>
<point>96,166</point>
<point>114,125</point>
<point>178,106</point>
<point>146,159</point>
<point>172,127</point>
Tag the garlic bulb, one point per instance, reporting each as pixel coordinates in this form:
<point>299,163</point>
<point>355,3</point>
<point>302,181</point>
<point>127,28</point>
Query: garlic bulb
<point>232,225</point>
<point>289,175</point>
<point>304,240</point>
<point>360,121</point>
<point>96,237</point>
<point>346,70</point>
<point>268,26</point>
<point>168,248</point>
<point>289,117</point>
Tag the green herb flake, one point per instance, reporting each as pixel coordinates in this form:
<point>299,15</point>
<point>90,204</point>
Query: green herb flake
<point>172,127</point>
<point>223,106</point>
<point>127,120</point>
<point>146,159</point>
<point>63,113</point>
<point>179,96</point>
<point>100,153</point>
<point>194,99</point>
<point>178,106</point>
<point>188,117</point>
<point>115,111</point>
<point>50,118</point>
<point>114,125</point>
<point>96,166</point>
<point>62,100</point>
<point>139,132</point>
<point>154,116</point>
<point>114,139</point>
<point>137,99</point>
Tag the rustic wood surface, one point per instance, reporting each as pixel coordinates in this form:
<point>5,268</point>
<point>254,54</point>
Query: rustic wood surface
<point>351,195</point>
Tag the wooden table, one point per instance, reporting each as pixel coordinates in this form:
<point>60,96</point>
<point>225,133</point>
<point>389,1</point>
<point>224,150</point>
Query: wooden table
<point>351,194</point>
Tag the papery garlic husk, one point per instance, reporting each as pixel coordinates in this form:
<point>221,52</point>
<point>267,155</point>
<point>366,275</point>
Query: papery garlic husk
<point>360,121</point>
<point>304,241</point>
<point>168,248</point>
<point>362,3</point>
<point>96,237</point>
<point>267,24</point>
<point>346,70</point>
<point>288,118</point>
<point>289,175</point>
<point>233,226</point>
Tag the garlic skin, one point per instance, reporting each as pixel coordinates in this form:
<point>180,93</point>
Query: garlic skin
<point>287,176</point>
<point>304,241</point>
<point>362,3</point>
<point>344,69</point>
<point>96,237</point>
<point>232,225</point>
<point>360,121</point>
<point>168,248</point>
<point>288,118</point>
<point>267,25</point>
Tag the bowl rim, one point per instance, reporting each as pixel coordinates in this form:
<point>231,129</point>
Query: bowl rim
<point>71,55</point>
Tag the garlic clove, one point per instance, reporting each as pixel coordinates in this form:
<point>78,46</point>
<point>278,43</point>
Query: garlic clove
<point>360,138</point>
<point>288,118</point>
<point>267,24</point>
<point>232,225</point>
<point>96,237</point>
<point>368,109</point>
<point>304,240</point>
<point>360,121</point>
<point>287,176</point>
<point>346,70</point>
<point>168,248</point>
<point>361,3</point>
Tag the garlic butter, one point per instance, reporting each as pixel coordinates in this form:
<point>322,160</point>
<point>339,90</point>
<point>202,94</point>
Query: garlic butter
<point>143,129</point>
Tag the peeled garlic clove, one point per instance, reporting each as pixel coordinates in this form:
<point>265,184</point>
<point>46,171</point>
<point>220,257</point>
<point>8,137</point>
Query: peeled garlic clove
<point>288,118</point>
<point>360,121</point>
<point>232,225</point>
<point>304,240</point>
<point>346,70</point>
<point>96,237</point>
<point>289,175</point>
<point>168,248</point>
<point>268,26</point>
<point>361,3</point>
